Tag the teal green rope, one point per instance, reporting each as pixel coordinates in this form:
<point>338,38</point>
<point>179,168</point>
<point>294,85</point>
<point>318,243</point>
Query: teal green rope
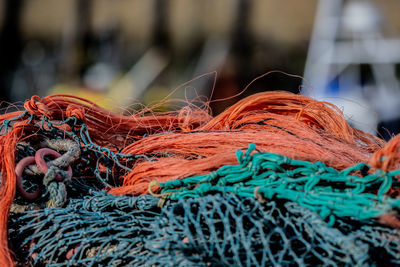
<point>329,192</point>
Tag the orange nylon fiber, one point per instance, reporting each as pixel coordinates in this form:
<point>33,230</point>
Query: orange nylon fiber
<point>279,122</point>
<point>192,142</point>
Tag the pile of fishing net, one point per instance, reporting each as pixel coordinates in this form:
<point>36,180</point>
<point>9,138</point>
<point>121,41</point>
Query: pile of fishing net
<point>215,230</point>
<point>276,179</point>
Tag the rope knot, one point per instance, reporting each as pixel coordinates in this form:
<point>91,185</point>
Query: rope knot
<point>36,107</point>
<point>57,190</point>
<point>76,111</point>
<point>55,174</point>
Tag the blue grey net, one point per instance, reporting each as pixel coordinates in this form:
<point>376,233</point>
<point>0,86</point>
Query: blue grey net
<point>215,230</point>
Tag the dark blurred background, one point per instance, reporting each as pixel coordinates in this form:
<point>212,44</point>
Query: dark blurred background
<point>122,52</point>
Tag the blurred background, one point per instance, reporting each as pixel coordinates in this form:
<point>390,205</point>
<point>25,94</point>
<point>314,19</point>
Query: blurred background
<point>121,52</point>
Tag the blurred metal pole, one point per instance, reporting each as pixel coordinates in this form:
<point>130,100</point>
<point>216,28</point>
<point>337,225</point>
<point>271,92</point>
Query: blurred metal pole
<point>235,72</point>
<point>84,35</point>
<point>77,40</point>
<point>10,47</point>
<point>321,48</point>
<point>161,34</point>
<point>242,41</point>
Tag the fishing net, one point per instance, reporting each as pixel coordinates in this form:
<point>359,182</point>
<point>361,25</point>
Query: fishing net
<point>329,192</point>
<point>215,230</point>
<point>86,187</point>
